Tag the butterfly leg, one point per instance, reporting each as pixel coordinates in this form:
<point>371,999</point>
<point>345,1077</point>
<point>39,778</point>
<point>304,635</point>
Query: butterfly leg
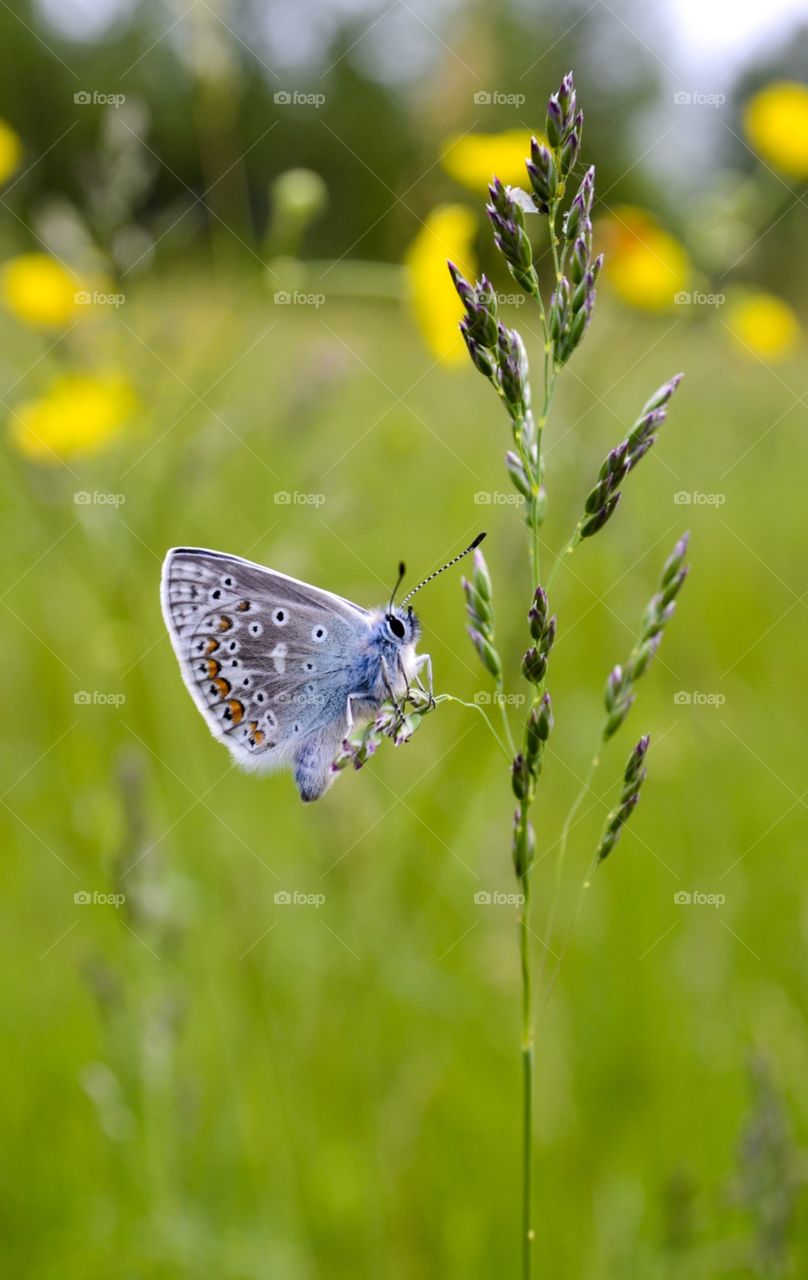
<point>388,684</point>
<point>424,660</point>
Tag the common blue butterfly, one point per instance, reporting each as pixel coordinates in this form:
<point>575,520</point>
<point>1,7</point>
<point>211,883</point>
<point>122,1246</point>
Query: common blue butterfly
<point>281,670</point>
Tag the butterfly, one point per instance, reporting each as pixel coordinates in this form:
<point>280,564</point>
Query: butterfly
<point>281,670</point>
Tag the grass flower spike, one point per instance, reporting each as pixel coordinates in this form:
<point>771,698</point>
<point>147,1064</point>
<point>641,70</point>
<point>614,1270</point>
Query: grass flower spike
<point>499,354</point>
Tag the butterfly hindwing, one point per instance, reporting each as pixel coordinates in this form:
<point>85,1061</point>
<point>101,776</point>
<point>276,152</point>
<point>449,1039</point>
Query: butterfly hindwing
<point>267,659</point>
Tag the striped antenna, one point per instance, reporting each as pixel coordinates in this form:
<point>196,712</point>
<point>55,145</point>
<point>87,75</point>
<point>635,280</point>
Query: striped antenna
<point>448,565</point>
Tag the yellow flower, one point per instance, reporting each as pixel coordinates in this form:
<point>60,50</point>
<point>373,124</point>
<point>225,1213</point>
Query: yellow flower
<point>38,290</point>
<point>10,151</point>
<point>79,413</point>
<point>776,124</point>
<point>764,325</point>
<point>447,233</point>
<point>474,158</point>
<point>645,265</point>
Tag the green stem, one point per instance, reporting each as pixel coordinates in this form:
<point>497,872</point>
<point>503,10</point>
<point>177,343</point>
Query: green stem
<point>527,1077</point>
<point>585,787</point>
<point>507,750</point>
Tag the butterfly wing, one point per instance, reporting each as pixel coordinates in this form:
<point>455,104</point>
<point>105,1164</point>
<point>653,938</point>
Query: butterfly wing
<point>266,658</point>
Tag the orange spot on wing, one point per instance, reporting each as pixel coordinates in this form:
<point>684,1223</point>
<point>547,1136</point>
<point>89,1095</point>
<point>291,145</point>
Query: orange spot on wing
<point>212,645</point>
<point>213,667</point>
<point>222,686</point>
<point>236,710</point>
<point>225,623</point>
<point>243,606</point>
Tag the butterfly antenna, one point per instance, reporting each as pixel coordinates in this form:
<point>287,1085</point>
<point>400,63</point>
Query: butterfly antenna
<point>401,571</point>
<point>448,565</point>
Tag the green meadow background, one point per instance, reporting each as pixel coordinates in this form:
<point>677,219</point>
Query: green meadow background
<point>205,1082</point>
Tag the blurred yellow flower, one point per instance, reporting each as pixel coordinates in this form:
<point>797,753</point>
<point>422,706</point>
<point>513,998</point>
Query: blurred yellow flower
<point>79,413</point>
<point>10,151</point>
<point>645,265</point>
<point>776,124</point>
<point>38,290</point>
<point>447,233</point>
<point>764,325</point>
<point>474,158</point>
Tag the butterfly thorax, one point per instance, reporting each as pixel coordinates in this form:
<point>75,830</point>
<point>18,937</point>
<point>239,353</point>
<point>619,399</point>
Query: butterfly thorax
<point>387,660</point>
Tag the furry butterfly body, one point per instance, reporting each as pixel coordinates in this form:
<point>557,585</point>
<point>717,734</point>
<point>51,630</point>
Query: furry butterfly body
<point>279,669</point>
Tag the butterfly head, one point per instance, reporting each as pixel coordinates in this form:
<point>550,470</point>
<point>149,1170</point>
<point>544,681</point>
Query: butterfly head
<point>401,625</point>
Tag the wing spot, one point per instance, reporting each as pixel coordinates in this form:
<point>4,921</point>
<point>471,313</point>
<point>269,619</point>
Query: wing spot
<point>244,606</point>
<point>225,623</point>
<point>319,634</point>
<point>216,595</point>
<point>258,697</point>
<point>279,617</point>
<point>255,628</point>
<point>211,645</point>
<point>278,656</point>
<point>308,666</point>
<point>213,667</point>
<point>234,711</point>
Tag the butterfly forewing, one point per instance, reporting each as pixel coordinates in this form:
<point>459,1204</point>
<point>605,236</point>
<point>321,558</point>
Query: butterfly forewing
<point>263,655</point>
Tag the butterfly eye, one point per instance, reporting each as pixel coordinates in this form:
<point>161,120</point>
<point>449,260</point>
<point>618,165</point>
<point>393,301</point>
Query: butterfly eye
<point>395,626</point>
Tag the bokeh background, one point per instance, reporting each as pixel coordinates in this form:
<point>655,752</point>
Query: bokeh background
<point>225,321</point>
